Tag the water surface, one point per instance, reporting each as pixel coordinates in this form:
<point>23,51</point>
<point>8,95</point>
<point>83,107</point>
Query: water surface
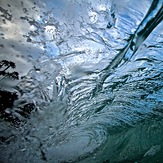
<point>94,72</point>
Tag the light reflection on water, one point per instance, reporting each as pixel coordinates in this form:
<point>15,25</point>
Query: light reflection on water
<point>91,106</point>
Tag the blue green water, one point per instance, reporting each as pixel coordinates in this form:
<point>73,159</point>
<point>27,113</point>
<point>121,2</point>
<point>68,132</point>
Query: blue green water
<point>94,71</point>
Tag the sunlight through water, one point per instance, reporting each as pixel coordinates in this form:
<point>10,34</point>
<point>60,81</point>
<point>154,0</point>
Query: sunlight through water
<point>83,81</point>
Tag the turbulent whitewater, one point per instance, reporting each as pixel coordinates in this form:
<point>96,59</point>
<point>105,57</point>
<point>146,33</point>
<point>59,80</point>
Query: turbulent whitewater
<point>94,72</point>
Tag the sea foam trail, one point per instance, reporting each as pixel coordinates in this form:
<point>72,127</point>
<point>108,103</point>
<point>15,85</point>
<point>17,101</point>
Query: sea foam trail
<point>153,17</point>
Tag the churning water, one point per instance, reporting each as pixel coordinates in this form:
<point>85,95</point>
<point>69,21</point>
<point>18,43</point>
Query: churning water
<point>94,72</point>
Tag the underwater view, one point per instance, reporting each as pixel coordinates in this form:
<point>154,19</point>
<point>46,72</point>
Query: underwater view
<point>81,81</point>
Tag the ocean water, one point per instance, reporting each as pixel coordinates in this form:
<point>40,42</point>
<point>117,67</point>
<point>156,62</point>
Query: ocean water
<point>94,72</point>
